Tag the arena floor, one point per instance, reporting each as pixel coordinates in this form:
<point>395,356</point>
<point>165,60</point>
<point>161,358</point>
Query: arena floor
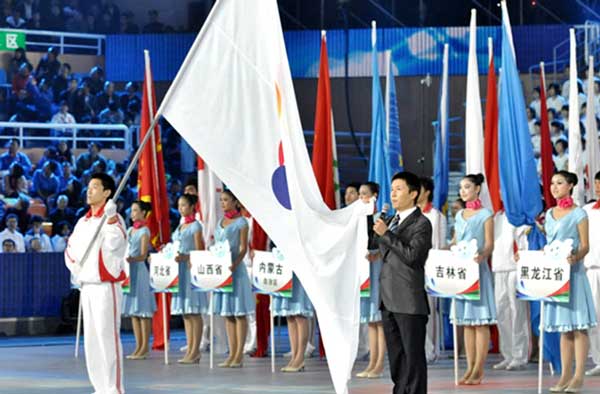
<point>47,366</point>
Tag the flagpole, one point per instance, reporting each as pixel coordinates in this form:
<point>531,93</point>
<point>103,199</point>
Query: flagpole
<point>455,344</point>
<point>78,327</point>
<point>212,329</point>
<point>541,349</point>
<point>272,334</point>
<point>164,316</point>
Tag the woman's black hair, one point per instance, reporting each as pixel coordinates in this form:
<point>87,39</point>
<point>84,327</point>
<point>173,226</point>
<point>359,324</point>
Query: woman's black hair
<point>597,176</point>
<point>476,179</point>
<point>145,207</point>
<point>190,198</point>
<point>569,177</point>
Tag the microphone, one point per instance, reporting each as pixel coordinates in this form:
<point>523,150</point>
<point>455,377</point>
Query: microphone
<point>384,210</point>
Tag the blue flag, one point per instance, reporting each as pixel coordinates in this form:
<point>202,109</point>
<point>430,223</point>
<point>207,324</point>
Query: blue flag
<point>442,152</point>
<point>393,121</point>
<point>379,163</point>
<point>518,174</point>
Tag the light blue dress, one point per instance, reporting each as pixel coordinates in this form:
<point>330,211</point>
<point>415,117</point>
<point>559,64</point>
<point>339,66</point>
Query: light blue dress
<point>297,305</point>
<point>483,311</point>
<point>140,301</point>
<point>241,301</point>
<point>579,312</point>
<point>187,301</point>
<point>369,306</point>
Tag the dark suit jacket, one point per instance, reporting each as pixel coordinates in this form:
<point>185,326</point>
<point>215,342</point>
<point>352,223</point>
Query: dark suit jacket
<point>404,253</point>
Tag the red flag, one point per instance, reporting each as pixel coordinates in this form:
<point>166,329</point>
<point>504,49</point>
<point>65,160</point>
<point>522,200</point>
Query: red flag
<point>491,139</point>
<point>152,188</point>
<point>546,143</point>
<point>263,318</point>
<point>322,157</point>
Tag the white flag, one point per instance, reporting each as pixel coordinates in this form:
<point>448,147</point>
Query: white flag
<point>575,149</point>
<point>233,101</point>
<point>473,118</point>
<point>209,192</point>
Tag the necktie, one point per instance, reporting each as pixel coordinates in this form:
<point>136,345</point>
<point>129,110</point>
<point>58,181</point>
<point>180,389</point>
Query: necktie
<point>395,222</point>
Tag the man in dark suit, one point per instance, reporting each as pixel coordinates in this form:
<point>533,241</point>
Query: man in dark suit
<point>404,243</point>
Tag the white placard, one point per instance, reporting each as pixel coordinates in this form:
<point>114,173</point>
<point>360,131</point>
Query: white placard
<point>211,268</point>
<point>164,272</point>
<point>271,274</point>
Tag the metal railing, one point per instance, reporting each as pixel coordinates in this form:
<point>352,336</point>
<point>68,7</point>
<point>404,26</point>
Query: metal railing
<point>71,132</point>
<point>66,42</point>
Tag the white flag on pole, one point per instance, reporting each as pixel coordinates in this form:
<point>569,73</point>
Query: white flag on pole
<point>575,149</point>
<point>592,147</point>
<point>233,101</point>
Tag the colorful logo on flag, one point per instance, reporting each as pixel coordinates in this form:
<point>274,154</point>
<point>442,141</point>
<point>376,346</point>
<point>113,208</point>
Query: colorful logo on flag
<point>279,179</point>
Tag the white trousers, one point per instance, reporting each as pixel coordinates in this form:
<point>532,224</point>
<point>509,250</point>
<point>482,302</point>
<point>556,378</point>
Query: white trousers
<point>594,279</point>
<point>101,307</point>
<point>513,323</point>
<point>432,347</point>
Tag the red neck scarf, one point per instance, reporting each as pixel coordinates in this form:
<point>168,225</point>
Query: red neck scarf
<point>474,205</point>
<point>596,205</point>
<point>139,224</point>
<point>232,213</point>
<point>565,203</point>
<point>189,219</point>
<point>428,207</point>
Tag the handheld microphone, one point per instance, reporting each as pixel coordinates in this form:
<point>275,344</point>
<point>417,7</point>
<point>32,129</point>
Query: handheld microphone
<point>384,210</point>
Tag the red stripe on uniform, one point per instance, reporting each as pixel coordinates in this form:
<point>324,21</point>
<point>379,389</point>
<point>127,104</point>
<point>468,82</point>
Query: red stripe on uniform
<point>112,286</point>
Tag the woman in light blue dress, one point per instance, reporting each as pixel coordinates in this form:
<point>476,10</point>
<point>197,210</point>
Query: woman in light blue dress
<point>139,304</point>
<point>234,306</point>
<point>572,319</point>
<point>369,306</point>
<point>475,222</point>
<point>297,310</point>
<point>187,302</point>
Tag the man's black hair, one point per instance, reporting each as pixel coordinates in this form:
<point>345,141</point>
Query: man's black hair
<point>108,183</point>
<point>412,181</point>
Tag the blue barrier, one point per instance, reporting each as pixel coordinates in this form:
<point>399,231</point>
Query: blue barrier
<point>32,284</point>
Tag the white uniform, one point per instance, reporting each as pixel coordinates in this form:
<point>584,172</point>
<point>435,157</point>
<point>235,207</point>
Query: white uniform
<point>438,241</point>
<point>592,266</point>
<point>100,297</point>
<point>513,324</point>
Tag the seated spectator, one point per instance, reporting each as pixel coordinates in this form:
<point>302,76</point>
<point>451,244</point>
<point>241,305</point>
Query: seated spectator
<point>111,10</point>
<point>21,209</point>
<point>45,182</point>
<point>73,17</point>
<point>14,182</point>
<point>105,97</point>
<point>99,166</point>
<point>13,155</point>
<point>557,131</point>
<point>35,23</point>
<point>131,103</point>
<point>62,212</point>
<point>28,9</point>
<point>555,100</point>
<point>82,103</point>
<point>37,233</point>
<point>46,90</point>
<point>112,114</point>
<point>54,20</point>
<point>70,93</point>
<point>9,246</point>
<point>11,232</point>
<point>61,81</point>
<point>85,160</point>
<point>561,159</point>
<point>154,26</point>
<point>19,58</point>
<point>50,154</point>
<point>61,236</point>
<point>531,118</point>
<point>20,79</point>
<point>14,20</point>
<point>74,192</point>
<point>535,102</point>
<point>96,80</point>
<point>63,116</point>
<point>128,26</point>
<point>42,101</point>
<point>564,115</point>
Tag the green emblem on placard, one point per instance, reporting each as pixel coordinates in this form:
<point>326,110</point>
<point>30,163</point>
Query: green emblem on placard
<point>11,40</point>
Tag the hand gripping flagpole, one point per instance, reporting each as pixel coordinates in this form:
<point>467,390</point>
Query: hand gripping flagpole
<point>144,141</point>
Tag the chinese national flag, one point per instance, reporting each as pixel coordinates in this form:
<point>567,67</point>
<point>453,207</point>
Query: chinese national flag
<point>152,188</point>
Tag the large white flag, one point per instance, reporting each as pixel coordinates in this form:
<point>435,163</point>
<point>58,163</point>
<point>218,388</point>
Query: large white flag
<point>473,118</point>
<point>575,148</point>
<point>209,192</point>
<point>233,101</point>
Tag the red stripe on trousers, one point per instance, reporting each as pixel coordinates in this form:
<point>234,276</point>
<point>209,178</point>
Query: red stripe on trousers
<point>112,286</point>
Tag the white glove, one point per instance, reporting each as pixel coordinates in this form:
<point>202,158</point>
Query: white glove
<point>110,209</point>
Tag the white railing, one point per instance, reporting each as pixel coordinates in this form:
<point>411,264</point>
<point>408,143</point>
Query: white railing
<point>25,133</point>
<point>91,43</point>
